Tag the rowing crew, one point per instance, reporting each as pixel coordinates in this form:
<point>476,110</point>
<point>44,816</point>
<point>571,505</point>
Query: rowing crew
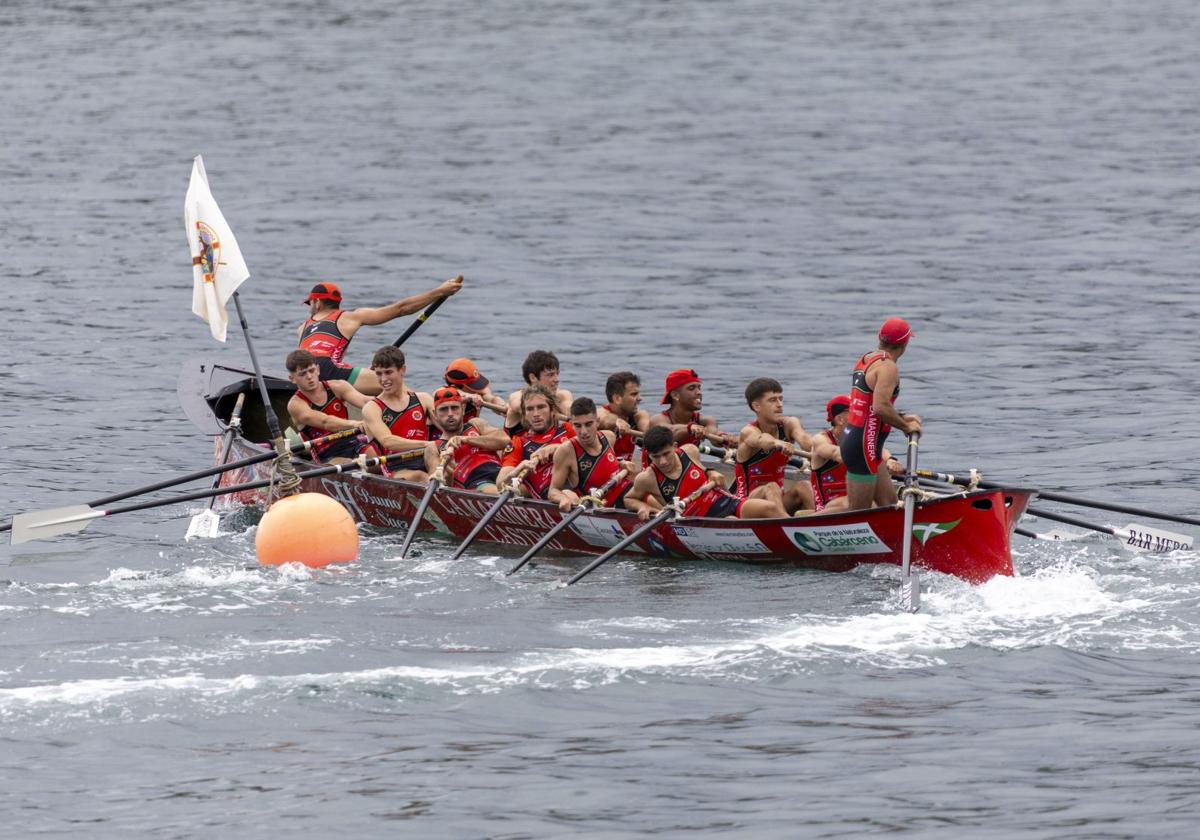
<point>561,449</point>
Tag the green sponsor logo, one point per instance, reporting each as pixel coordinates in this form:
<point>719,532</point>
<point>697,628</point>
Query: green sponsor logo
<point>925,531</point>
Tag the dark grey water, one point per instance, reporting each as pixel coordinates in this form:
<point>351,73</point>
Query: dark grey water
<point>744,188</point>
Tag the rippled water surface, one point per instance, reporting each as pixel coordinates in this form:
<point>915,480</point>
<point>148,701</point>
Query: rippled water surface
<point>748,189</point>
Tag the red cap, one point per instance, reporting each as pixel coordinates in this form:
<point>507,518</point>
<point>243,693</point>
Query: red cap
<point>462,373</point>
<point>446,395</point>
<point>677,379</point>
<point>895,331</point>
<point>836,406</point>
<point>325,291</point>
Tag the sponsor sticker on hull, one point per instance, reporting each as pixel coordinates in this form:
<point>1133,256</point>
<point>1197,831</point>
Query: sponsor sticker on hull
<point>856,538</point>
<point>603,533</point>
<point>720,542</point>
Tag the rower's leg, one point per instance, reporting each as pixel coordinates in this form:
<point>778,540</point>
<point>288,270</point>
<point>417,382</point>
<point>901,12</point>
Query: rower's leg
<point>860,490</point>
<point>761,509</point>
<point>367,382</point>
<point>418,476</point>
<point>840,503</point>
<point>885,491</point>
<point>798,497</point>
<point>771,492</point>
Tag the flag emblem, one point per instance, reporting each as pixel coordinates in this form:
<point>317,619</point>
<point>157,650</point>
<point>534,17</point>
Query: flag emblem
<point>925,531</point>
<point>210,252</point>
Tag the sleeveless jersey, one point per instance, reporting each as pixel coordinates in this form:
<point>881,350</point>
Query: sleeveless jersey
<point>409,423</point>
<point>695,438</point>
<point>763,467</point>
<point>468,457</point>
<point>323,338</point>
<point>862,410</point>
<point>691,478</point>
<point>334,407</point>
<point>828,480</point>
<point>524,444</point>
<point>596,470</point>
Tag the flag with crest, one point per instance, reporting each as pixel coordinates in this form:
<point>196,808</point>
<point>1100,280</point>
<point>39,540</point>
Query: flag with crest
<point>217,265</point>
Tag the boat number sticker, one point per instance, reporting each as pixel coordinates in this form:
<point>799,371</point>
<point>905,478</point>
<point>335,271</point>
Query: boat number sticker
<point>858,538</point>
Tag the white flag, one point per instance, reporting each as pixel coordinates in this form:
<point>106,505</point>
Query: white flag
<point>217,264</point>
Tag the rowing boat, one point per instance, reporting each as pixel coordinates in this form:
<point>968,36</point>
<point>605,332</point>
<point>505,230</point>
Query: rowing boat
<point>967,534</point>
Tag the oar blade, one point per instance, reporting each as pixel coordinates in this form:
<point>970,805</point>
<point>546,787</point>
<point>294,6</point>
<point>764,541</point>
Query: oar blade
<point>43,524</point>
<point>1152,540</point>
<point>204,526</point>
<point>910,593</point>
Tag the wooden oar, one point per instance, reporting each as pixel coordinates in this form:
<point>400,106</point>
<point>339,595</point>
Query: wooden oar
<point>910,586</point>
<point>669,512</point>
<point>421,319</point>
<point>1070,500</point>
<point>208,522</point>
<point>590,500</point>
<point>501,500</point>
<point>43,524</point>
<point>435,481</point>
<point>304,446</point>
<point>1134,535</point>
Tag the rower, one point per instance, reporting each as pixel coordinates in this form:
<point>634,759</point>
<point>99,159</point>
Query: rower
<point>319,407</point>
<point>397,420</point>
<point>329,329</point>
<point>534,448</point>
<point>765,446</point>
<point>475,389</point>
<point>474,446</point>
<point>676,472</point>
<point>622,415</point>
<point>588,462</point>
<point>540,367</point>
<point>874,386</point>
<point>683,398</point>
<point>828,476</point>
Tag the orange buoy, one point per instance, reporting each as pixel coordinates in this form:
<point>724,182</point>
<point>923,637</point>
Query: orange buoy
<point>308,528</point>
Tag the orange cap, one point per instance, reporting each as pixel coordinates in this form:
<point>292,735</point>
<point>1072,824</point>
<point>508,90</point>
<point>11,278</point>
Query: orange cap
<point>462,373</point>
<point>325,291</point>
<point>446,395</point>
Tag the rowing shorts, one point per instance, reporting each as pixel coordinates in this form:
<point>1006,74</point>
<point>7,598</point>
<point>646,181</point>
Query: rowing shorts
<point>331,370</point>
<point>345,448</point>
<point>725,505</point>
<point>481,475</point>
<point>860,454</point>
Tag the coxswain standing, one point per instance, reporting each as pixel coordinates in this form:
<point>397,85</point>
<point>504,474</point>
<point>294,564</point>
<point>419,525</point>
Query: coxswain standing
<point>683,397</point>
<point>588,461</point>
<point>765,446</point>
<point>319,408</point>
<point>398,419</point>
<point>828,476</point>
<point>874,386</point>
<point>329,329</point>
<point>675,472</point>
<point>539,368</point>
<point>476,390</point>
<point>534,448</point>
<point>622,415</point>
<point>474,446</point>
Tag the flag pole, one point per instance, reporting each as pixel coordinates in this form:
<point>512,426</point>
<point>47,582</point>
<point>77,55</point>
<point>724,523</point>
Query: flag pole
<point>289,482</point>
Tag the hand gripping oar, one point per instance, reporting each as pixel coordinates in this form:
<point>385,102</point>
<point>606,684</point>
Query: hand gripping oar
<point>43,524</point>
<point>205,473</point>
<point>206,523</point>
<point>422,318</point>
<point>435,481</point>
<point>1062,497</point>
<point>729,455</point>
<point>590,500</point>
<point>910,586</point>
<point>669,512</point>
<point>501,500</point>
<point>1141,537</point>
